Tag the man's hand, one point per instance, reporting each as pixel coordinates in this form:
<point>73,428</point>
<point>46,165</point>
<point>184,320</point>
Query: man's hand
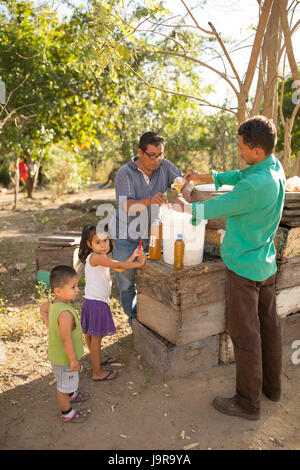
<point>186,191</point>
<point>193,175</point>
<point>159,199</point>
<point>180,206</point>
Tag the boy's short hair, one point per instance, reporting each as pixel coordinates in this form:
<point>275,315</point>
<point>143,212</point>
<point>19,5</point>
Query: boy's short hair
<point>150,138</point>
<point>60,275</point>
<point>260,132</point>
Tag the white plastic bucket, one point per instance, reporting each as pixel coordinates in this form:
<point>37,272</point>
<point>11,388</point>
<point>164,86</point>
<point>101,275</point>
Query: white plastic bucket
<point>173,223</point>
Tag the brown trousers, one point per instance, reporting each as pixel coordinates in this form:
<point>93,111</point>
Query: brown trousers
<point>255,331</point>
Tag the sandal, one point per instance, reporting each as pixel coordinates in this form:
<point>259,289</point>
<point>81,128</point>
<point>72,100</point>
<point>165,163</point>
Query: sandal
<point>109,360</point>
<point>79,416</point>
<point>108,376</point>
<point>80,397</point>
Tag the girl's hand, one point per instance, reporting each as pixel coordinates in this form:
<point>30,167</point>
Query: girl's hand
<point>137,252</point>
<point>142,258</point>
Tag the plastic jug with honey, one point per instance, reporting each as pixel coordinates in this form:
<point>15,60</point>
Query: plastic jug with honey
<point>178,253</point>
<point>155,239</point>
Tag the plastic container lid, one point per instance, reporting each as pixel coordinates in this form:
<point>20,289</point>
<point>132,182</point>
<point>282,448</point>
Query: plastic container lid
<point>179,235</point>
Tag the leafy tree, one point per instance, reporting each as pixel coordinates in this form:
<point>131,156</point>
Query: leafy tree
<point>36,49</point>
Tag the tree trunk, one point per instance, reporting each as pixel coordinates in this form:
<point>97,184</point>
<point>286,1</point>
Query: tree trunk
<point>296,167</point>
<point>272,43</point>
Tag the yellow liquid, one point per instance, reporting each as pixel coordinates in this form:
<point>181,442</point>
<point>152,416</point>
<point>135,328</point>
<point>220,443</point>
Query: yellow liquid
<point>178,187</point>
<point>178,255</point>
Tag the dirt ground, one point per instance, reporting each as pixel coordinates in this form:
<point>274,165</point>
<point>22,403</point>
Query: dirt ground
<point>137,411</point>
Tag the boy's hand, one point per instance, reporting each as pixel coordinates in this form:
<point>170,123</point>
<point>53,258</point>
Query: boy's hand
<point>74,365</point>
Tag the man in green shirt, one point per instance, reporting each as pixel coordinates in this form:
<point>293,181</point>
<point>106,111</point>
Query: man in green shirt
<point>253,210</point>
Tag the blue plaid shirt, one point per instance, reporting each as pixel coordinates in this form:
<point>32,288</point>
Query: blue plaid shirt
<point>130,183</point>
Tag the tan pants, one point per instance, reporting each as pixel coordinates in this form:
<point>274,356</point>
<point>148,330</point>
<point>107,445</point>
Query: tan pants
<point>255,331</point>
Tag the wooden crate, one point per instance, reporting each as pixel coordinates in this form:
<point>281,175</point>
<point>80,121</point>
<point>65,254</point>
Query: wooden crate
<point>54,250</point>
<point>175,361</point>
<point>182,306</point>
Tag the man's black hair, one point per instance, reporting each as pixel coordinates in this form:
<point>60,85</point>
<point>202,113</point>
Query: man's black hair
<point>260,132</point>
<point>150,138</point>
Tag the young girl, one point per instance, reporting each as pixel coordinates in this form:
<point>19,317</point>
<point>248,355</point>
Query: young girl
<point>96,317</point>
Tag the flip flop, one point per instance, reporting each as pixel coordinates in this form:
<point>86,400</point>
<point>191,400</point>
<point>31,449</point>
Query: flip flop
<point>107,376</point>
<point>109,360</point>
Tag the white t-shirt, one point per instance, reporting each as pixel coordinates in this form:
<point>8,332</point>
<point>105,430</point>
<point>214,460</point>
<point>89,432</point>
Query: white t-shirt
<point>97,282</point>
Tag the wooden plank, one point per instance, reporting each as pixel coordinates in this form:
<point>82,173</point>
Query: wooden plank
<point>288,301</point>
<point>290,328</point>
<point>150,346</point>
<point>163,319</point>
<point>181,327</point>
<point>201,321</point>
<point>207,289</point>
<point>288,274</point>
<point>192,358</point>
<point>156,279</point>
<point>48,258</point>
<point>174,361</point>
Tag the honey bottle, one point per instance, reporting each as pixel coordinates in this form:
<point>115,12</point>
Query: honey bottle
<point>155,239</point>
<point>178,253</point>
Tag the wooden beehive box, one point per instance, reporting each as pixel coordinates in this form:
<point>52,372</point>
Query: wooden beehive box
<point>182,306</point>
<point>56,249</point>
<point>175,361</point>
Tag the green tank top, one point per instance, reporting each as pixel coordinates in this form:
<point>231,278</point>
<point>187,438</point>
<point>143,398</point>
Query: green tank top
<point>56,352</point>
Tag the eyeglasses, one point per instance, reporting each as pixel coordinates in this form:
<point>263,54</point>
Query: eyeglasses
<point>154,157</point>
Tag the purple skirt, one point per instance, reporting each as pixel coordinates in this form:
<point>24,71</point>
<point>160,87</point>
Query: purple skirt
<point>96,318</point>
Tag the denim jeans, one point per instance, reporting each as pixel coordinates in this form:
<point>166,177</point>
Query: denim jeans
<point>126,280</point>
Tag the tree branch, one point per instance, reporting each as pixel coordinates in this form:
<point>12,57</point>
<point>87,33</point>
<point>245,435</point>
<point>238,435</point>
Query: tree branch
<point>205,103</point>
<point>192,59</point>
<point>288,41</point>
<point>263,21</point>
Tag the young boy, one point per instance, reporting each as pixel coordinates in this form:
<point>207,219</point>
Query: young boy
<point>65,343</point>
<point>253,210</point>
